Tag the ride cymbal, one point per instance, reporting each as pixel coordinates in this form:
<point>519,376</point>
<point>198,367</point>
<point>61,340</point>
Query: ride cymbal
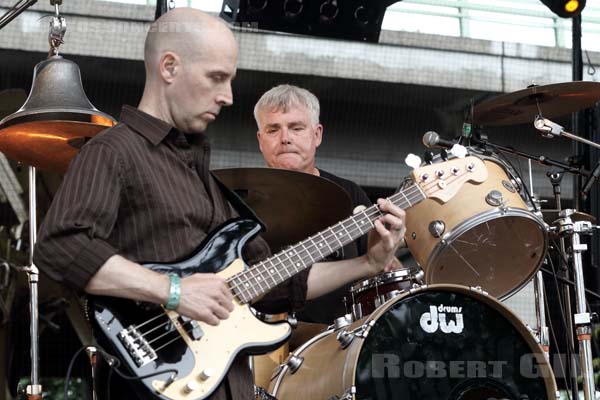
<point>293,205</point>
<point>521,107</point>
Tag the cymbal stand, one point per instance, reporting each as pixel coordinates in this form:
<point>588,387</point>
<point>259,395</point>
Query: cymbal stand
<point>34,389</point>
<point>551,129</point>
<point>582,318</point>
<point>540,312</point>
<point>555,175</point>
<point>92,353</point>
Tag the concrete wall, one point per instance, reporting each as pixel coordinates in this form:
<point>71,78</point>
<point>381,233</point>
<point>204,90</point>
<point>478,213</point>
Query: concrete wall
<point>377,99</point>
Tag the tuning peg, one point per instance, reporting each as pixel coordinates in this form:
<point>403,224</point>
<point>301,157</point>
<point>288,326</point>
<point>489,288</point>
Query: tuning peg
<point>413,161</point>
<point>444,155</point>
<point>428,157</point>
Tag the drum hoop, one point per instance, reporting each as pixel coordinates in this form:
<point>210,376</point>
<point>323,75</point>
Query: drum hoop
<point>478,219</point>
<point>398,275</point>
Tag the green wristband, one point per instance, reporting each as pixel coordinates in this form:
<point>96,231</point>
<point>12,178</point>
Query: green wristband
<point>174,292</point>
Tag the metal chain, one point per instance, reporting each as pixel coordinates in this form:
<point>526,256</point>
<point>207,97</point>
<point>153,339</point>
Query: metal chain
<point>58,27</point>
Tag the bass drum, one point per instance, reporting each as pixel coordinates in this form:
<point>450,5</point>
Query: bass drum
<point>442,342</point>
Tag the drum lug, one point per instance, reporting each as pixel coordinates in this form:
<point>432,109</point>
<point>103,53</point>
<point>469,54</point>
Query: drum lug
<point>345,338</point>
<point>437,228</point>
<point>494,198</point>
<point>294,363</point>
<point>357,311</point>
<point>342,322</point>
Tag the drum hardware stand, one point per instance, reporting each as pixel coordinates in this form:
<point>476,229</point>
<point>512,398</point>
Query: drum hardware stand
<point>92,353</point>
<point>577,170</point>
<point>540,312</point>
<point>551,129</point>
<point>555,175</point>
<point>582,318</point>
<point>34,389</point>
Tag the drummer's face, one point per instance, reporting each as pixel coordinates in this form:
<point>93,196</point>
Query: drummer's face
<point>289,139</point>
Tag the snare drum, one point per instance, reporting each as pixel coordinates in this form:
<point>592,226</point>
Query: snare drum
<point>438,342</point>
<point>486,235</point>
<point>369,294</point>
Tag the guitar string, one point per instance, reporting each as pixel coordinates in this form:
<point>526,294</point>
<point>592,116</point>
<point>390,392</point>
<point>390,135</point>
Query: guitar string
<point>372,212</point>
<point>259,269</point>
<point>369,213</point>
<point>160,325</point>
<point>326,235</point>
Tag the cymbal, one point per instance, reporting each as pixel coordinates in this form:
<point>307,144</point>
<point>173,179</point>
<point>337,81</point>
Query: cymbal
<point>552,215</point>
<point>46,145</point>
<point>293,205</point>
<point>522,106</point>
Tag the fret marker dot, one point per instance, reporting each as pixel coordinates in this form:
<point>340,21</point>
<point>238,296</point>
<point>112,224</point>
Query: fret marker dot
<point>247,285</point>
<point>297,264</point>
<point>272,271</point>
<point>320,244</point>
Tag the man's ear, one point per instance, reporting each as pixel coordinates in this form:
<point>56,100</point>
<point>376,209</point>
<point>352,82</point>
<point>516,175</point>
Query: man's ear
<point>169,66</point>
<point>318,135</point>
<point>259,142</point>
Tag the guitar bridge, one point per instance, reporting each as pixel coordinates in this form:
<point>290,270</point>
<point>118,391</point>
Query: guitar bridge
<point>138,347</point>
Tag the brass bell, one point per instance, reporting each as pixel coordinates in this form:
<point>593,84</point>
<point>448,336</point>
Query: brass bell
<point>56,119</point>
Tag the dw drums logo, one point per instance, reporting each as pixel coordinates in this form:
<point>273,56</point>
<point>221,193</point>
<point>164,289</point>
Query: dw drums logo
<point>437,318</point>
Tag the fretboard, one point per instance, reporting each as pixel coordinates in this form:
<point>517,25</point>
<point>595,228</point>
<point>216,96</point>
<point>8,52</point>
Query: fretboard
<point>264,276</point>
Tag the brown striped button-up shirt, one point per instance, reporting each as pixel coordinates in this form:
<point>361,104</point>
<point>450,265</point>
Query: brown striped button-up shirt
<point>142,189</point>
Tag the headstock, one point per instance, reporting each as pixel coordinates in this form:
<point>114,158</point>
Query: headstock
<point>443,180</point>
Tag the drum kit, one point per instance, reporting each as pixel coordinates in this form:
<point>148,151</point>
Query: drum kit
<point>434,332</point>
<point>440,331</point>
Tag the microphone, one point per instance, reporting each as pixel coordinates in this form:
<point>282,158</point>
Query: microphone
<point>432,139</point>
<point>591,180</point>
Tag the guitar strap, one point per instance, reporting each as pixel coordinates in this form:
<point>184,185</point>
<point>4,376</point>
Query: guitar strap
<point>238,204</point>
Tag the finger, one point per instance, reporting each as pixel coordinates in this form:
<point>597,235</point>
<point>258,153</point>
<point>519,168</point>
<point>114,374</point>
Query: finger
<point>383,232</point>
<point>389,207</point>
<point>220,311</point>
<point>394,223</point>
<point>227,304</point>
<point>227,292</point>
<point>209,318</point>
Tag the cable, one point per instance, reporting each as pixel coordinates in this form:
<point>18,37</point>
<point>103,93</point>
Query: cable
<point>560,361</point>
<point>570,349</point>
<point>68,377</point>
<point>114,363</point>
<point>570,282</point>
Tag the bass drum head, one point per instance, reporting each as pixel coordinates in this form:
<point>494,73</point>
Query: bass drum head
<point>446,342</point>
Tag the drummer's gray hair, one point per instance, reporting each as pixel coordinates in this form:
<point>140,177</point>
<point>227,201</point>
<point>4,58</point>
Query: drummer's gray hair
<point>284,97</point>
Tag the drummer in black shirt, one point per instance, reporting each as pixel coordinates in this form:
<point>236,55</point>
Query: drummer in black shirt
<point>289,134</point>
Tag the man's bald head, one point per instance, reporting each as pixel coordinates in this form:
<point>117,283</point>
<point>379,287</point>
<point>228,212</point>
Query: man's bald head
<point>181,31</point>
<point>191,60</point>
